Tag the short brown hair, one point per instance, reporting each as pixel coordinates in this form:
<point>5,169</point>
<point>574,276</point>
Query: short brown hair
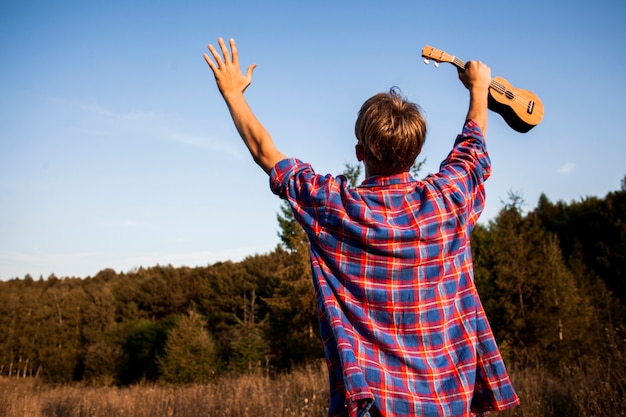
<point>391,131</point>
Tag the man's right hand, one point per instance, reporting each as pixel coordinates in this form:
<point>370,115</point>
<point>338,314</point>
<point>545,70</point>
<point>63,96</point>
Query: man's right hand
<point>475,76</point>
<point>228,76</point>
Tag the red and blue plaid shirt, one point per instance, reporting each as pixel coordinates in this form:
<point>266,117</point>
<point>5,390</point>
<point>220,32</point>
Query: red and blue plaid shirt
<point>403,328</point>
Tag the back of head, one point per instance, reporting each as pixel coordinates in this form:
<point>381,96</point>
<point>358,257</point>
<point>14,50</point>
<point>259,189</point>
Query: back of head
<point>391,131</point>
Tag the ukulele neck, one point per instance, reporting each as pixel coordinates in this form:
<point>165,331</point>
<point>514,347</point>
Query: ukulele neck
<point>458,63</point>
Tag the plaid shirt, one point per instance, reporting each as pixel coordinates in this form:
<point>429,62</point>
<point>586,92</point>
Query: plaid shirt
<point>401,321</point>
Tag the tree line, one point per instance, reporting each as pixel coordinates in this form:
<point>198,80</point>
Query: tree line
<point>551,281</point>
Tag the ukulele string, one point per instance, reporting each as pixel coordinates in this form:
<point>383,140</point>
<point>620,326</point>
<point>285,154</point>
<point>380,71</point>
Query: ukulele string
<point>501,88</point>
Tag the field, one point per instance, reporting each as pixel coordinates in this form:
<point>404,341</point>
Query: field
<point>300,393</point>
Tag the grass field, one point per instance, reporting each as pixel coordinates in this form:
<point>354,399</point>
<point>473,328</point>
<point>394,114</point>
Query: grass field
<point>300,393</point>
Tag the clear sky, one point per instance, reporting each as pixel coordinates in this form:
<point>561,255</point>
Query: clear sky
<point>117,151</point>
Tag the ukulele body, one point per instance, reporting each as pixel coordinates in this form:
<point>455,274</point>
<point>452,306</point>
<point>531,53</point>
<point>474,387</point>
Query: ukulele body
<point>521,109</point>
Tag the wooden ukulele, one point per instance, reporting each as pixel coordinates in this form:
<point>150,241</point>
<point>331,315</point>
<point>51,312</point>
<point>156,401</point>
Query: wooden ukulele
<point>521,109</point>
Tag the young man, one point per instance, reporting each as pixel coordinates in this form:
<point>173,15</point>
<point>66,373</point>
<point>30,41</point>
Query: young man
<point>404,331</point>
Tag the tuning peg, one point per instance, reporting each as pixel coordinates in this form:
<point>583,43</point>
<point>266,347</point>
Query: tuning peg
<point>436,64</point>
<point>426,61</point>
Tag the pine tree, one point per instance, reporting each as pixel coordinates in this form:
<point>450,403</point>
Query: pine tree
<point>248,343</point>
<point>190,354</point>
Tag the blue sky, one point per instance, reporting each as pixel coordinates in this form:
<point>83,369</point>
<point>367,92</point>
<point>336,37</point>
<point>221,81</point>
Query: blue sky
<point>117,151</point>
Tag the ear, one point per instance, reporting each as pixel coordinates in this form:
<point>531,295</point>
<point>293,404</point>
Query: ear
<point>359,152</point>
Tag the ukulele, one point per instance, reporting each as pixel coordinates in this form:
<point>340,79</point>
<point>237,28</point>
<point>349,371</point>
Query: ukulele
<point>521,109</point>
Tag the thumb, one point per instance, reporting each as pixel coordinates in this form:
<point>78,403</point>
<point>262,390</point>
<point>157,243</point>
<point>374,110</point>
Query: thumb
<point>249,76</point>
<point>249,72</point>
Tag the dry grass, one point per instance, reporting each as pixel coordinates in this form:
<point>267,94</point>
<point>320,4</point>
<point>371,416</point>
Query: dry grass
<point>577,392</point>
<point>595,388</point>
<point>301,393</point>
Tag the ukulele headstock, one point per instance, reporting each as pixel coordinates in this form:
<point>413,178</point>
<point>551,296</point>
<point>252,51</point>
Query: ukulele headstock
<point>428,53</point>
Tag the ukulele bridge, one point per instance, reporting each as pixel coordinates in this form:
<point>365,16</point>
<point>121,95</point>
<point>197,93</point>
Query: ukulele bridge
<point>531,107</point>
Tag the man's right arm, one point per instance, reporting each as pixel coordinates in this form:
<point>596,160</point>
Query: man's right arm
<point>232,84</point>
<point>476,78</point>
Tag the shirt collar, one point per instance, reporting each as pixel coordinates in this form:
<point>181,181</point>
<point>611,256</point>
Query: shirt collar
<point>382,180</point>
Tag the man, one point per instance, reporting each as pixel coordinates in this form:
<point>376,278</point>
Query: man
<point>403,328</point>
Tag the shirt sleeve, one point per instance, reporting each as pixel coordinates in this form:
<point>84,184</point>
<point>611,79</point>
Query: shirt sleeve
<point>308,193</point>
<point>462,174</point>
<point>280,173</point>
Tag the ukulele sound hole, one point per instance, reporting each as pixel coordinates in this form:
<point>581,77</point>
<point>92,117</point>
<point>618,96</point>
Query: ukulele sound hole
<point>509,95</point>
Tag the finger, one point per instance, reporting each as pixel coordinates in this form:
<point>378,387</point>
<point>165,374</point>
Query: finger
<point>224,50</point>
<point>216,56</point>
<point>211,64</point>
<point>233,49</point>
<point>208,61</point>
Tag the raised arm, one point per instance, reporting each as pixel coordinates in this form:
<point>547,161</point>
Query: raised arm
<point>232,83</point>
<point>476,78</point>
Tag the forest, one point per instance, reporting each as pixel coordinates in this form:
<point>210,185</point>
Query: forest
<point>551,280</point>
